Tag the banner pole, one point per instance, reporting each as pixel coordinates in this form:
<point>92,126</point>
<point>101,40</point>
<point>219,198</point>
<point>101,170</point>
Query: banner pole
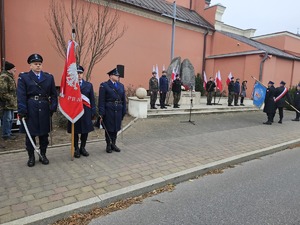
<point>72,142</point>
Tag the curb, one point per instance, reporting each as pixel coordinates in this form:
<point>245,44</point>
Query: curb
<point>103,200</point>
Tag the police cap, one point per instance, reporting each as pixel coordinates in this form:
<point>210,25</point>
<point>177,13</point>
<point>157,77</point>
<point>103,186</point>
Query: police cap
<point>282,82</point>
<point>271,82</point>
<point>35,58</point>
<point>80,69</point>
<point>114,72</point>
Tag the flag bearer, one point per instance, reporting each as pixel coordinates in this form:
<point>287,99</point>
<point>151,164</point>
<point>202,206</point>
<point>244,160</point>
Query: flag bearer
<point>269,107</point>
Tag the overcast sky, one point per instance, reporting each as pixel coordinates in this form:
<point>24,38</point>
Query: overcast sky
<point>266,16</point>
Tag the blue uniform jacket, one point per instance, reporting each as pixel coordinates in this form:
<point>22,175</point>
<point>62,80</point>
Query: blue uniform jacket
<point>37,110</point>
<point>237,88</point>
<point>84,124</point>
<point>297,99</point>
<point>163,84</point>
<point>112,105</point>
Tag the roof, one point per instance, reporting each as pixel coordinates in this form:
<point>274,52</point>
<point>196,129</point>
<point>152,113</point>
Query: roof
<point>164,7</point>
<point>260,46</point>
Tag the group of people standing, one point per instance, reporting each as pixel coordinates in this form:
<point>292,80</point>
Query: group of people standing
<point>35,98</point>
<point>236,91</point>
<point>161,86</point>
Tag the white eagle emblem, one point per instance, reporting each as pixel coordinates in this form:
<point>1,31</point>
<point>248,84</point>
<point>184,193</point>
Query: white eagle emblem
<point>72,79</point>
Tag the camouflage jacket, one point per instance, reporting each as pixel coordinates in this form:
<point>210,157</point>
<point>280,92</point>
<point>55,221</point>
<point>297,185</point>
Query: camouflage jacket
<point>153,84</point>
<point>8,91</point>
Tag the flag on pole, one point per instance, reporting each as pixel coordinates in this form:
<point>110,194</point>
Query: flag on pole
<point>228,79</point>
<point>219,81</point>
<point>173,74</point>
<point>70,101</point>
<point>259,94</point>
<point>157,74</point>
<point>163,68</point>
<point>204,80</point>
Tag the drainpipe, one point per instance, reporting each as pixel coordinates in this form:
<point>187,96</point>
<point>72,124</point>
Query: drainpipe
<point>262,65</point>
<point>2,35</point>
<point>191,1</point>
<point>204,50</point>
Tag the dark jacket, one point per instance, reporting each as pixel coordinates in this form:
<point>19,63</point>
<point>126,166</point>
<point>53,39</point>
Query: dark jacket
<point>237,87</point>
<point>112,105</point>
<point>37,110</point>
<point>163,84</point>
<point>231,86</point>
<point>280,99</point>
<point>269,100</point>
<point>176,86</point>
<point>84,124</point>
<point>210,86</point>
<point>297,99</point>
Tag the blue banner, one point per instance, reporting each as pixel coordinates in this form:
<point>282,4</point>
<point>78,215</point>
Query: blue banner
<point>259,94</point>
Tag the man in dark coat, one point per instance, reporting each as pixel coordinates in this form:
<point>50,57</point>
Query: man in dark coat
<point>281,93</point>
<point>163,89</point>
<point>176,89</point>
<point>210,88</point>
<point>297,102</point>
<point>231,91</point>
<point>84,125</point>
<point>237,91</point>
<point>112,108</point>
<point>269,107</point>
<point>153,89</point>
<point>37,101</point>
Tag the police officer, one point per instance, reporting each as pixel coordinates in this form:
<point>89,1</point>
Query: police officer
<point>84,125</point>
<point>8,99</point>
<point>112,108</point>
<point>37,100</point>
<point>231,89</point>
<point>281,93</point>
<point>153,89</point>
<point>163,89</point>
<point>269,107</point>
<point>297,102</point>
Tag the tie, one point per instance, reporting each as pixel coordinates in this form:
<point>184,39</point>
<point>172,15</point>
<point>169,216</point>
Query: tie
<point>80,83</point>
<point>38,77</point>
<point>116,85</point>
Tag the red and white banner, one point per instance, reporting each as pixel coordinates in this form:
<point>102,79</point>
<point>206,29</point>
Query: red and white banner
<point>204,80</point>
<point>219,81</point>
<point>228,79</point>
<point>70,101</point>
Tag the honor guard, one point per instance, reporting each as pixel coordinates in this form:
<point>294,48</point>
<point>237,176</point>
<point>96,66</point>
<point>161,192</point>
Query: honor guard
<point>112,108</point>
<point>297,102</point>
<point>269,107</point>
<point>84,125</point>
<point>37,100</point>
<point>281,93</point>
<point>153,89</point>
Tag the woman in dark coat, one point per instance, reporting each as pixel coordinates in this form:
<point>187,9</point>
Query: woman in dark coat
<point>112,108</point>
<point>269,107</point>
<point>84,125</point>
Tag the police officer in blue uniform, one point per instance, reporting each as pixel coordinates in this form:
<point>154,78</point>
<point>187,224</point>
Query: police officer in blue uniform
<point>297,102</point>
<point>84,125</point>
<point>269,107</point>
<point>37,101</point>
<point>112,108</point>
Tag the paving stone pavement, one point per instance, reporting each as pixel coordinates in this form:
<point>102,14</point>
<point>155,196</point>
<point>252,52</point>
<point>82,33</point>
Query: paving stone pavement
<point>152,148</point>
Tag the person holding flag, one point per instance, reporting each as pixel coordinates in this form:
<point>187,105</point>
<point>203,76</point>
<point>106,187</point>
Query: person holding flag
<point>269,107</point>
<point>84,125</point>
<point>112,108</point>
<point>210,88</point>
<point>37,101</point>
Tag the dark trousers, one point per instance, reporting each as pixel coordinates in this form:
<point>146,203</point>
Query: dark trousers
<point>270,117</point>
<point>153,97</point>
<point>236,98</point>
<point>297,114</point>
<point>209,97</point>
<point>242,100</point>
<point>43,140</point>
<point>111,138</point>
<point>162,99</point>
<point>83,139</point>
<point>280,111</point>
<point>230,97</point>
<point>176,97</point>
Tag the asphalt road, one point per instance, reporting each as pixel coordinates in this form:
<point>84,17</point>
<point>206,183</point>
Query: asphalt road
<point>259,192</point>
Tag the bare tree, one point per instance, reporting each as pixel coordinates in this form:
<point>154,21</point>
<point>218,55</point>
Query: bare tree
<point>96,23</point>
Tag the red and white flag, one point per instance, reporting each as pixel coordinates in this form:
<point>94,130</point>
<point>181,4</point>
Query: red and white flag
<point>228,79</point>
<point>70,101</point>
<point>219,81</point>
<point>204,80</point>
<point>157,74</point>
<point>173,74</point>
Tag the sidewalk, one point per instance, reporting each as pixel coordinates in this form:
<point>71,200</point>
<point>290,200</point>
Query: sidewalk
<point>155,151</point>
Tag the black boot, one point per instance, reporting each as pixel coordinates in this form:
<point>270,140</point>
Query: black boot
<point>44,159</point>
<point>108,148</point>
<point>82,145</point>
<point>114,147</point>
<point>84,152</point>
<point>77,152</point>
<point>31,160</point>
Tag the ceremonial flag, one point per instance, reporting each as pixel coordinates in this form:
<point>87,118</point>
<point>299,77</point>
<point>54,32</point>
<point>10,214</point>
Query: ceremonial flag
<point>204,80</point>
<point>70,101</point>
<point>219,81</point>
<point>173,74</point>
<point>157,74</point>
<point>259,94</point>
<point>228,79</point>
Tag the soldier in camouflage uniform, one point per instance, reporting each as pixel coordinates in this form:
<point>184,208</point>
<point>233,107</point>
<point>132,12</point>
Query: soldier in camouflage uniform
<point>231,91</point>
<point>153,89</point>
<point>8,98</point>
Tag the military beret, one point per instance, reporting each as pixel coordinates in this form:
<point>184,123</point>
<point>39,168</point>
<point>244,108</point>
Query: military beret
<point>271,82</point>
<point>154,72</point>
<point>80,69</point>
<point>35,58</point>
<point>114,72</point>
<point>282,82</point>
<point>8,66</point>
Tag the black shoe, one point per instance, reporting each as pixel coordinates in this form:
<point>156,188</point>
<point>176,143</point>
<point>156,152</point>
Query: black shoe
<point>295,119</point>
<point>154,107</point>
<point>84,152</point>
<point>230,105</point>
<point>76,153</point>
<point>44,160</point>
<point>241,104</point>
<point>280,121</point>
<point>236,104</point>
<point>31,161</point>
<point>115,148</point>
<point>164,107</point>
<point>108,148</point>
<point>267,123</point>
<point>9,137</point>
